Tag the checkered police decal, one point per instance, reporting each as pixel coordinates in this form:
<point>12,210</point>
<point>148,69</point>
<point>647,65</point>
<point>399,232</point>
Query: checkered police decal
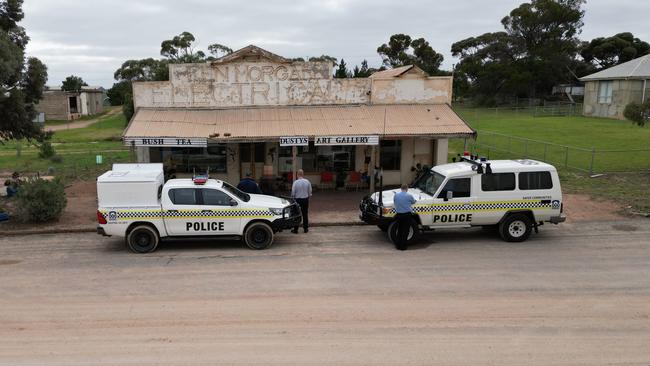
<point>476,206</point>
<point>182,214</point>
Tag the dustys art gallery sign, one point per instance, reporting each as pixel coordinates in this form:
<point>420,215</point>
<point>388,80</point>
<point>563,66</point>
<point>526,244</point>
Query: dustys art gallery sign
<point>331,140</point>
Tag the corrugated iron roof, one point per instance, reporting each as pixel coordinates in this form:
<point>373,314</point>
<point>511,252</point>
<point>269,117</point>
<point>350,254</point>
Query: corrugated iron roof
<point>639,68</point>
<point>390,73</point>
<point>437,120</point>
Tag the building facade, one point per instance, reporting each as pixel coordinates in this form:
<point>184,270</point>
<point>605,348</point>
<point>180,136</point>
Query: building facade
<point>608,92</point>
<point>64,105</point>
<point>259,113</point>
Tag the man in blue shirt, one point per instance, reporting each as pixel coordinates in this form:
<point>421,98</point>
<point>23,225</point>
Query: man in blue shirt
<point>403,207</point>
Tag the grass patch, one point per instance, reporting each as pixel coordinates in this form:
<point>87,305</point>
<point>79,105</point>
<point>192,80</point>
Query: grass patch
<point>104,129</point>
<point>55,122</point>
<point>629,189</point>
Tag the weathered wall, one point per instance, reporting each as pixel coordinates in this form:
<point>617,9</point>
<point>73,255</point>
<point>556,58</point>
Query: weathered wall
<point>55,105</point>
<point>623,92</point>
<point>412,90</point>
<point>251,84</point>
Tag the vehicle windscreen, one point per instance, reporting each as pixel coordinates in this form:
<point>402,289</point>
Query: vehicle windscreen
<point>429,182</point>
<point>236,192</point>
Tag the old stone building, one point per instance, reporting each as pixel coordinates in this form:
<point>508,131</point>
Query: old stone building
<point>63,105</point>
<point>252,110</point>
<point>608,92</point>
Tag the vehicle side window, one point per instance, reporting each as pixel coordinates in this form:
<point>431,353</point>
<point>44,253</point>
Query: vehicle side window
<point>498,182</point>
<point>183,196</point>
<point>460,186</point>
<point>213,197</point>
<point>535,180</point>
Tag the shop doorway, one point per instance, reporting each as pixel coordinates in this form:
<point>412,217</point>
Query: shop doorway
<point>252,157</point>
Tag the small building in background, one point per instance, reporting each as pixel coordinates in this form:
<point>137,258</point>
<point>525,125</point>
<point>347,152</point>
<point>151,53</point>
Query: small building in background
<point>58,104</point>
<point>607,92</point>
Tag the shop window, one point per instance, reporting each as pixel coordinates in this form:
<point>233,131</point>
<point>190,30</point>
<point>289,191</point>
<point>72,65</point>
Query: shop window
<point>258,153</point>
<point>195,159</point>
<point>605,92</point>
<point>183,196</point>
<point>535,180</point>
<point>461,187</point>
<point>390,156</point>
<point>323,158</point>
<point>498,182</point>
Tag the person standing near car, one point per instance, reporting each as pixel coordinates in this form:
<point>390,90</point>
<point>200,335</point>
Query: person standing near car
<point>301,192</point>
<point>404,211</point>
<point>249,185</point>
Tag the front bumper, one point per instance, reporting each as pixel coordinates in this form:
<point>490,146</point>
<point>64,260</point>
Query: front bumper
<point>558,219</point>
<point>291,217</point>
<point>370,213</point>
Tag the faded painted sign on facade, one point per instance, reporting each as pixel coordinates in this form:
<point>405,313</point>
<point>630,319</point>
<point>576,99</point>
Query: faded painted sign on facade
<point>250,84</point>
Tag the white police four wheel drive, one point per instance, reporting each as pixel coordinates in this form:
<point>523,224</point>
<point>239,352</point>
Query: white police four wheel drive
<point>514,196</point>
<point>135,203</point>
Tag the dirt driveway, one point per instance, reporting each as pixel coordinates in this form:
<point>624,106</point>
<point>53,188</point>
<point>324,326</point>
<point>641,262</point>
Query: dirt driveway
<point>576,294</point>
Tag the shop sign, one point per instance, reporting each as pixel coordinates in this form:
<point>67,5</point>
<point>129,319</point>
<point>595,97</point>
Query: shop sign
<point>347,140</point>
<point>294,141</point>
<point>166,141</point>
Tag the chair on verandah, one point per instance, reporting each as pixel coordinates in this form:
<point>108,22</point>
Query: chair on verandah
<point>354,180</point>
<point>326,180</point>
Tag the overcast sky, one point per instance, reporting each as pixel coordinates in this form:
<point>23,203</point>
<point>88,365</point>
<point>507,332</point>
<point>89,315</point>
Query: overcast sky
<point>91,38</point>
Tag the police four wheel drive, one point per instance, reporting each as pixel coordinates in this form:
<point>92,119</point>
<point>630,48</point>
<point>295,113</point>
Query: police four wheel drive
<point>512,196</point>
<point>135,203</point>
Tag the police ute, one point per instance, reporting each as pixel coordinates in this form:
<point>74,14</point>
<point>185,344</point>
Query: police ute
<point>514,197</point>
<point>136,203</point>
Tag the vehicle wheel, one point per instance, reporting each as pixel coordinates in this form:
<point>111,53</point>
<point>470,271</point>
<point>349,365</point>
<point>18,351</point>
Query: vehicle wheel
<point>142,239</point>
<point>258,235</point>
<point>383,227</point>
<point>515,228</point>
<point>413,232</point>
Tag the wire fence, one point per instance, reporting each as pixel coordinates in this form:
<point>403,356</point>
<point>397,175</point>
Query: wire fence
<point>550,109</point>
<point>592,161</point>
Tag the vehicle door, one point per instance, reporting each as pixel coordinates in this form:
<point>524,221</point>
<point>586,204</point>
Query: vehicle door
<point>453,206</point>
<point>498,195</point>
<point>222,216</point>
<point>181,209</point>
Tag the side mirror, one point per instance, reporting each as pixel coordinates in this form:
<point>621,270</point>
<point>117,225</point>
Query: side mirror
<point>449,195</point>
<point>233,203</point>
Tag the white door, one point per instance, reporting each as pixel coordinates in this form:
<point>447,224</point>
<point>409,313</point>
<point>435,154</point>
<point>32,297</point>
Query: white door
<point>222,216</point>
<point>453,207</point>
<point>183,213</point>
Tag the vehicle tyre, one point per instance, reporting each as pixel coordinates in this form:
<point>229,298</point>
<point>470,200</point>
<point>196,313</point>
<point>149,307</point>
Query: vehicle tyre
<point>413,232</point>
<point>258,235</point>
<point>142,239</point>
<point>515,228</point>
<point>383,227</point>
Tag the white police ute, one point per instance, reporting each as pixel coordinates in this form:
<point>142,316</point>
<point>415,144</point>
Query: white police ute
<point>134,202</point>
<point>513,196</point>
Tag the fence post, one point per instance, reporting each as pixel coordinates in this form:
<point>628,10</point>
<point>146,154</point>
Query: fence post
<point>591,166</point>
<point>19,148</point>
<point>566,157</point>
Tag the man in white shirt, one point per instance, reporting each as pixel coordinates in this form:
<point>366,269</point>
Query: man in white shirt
<point>301,191</point>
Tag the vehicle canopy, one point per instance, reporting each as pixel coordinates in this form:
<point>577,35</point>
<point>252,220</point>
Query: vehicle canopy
<point>130,185</point>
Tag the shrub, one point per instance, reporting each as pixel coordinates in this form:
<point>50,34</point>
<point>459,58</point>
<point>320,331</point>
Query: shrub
<point>41,200</point>
<point>637,113</point>
<point>46,150</point>
<point>57,159</point>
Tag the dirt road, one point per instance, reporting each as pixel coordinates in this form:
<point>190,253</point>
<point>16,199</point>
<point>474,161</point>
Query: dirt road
<point>574,294</point>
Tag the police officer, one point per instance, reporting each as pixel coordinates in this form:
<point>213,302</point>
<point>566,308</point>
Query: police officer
<point>249,185</point>
<point>403,207</point>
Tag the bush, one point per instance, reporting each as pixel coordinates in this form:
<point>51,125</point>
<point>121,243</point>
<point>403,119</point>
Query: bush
<point>46,150</point>
<point>41,200</point>
<point>57,159</point>
<point>637,113</point>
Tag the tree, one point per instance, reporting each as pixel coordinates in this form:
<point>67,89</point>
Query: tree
<point>147,69</point>
<point>73,83</point>
<point>362,72</point>
<point>342,71</point>
<point>218,50</point>
<point>637,113</point>
<point>536,51</point>
<point>179,49</point>
<point>21,81</point>
<point>401,50</point>
<point>117,93</point>
<point>604,52</point>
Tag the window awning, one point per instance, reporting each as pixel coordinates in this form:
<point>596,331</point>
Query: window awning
<point>272,123</point>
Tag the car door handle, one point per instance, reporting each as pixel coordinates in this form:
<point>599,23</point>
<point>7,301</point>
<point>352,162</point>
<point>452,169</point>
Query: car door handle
<point>172,210</point>
<point>206,211</point>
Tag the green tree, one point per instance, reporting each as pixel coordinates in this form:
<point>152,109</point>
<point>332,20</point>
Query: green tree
<point>147,69</point>
<point>401,50</point>
<point>218,50</point>
<point>117,93</point>
<point>180,49</point>
<point>342,71</point>
<point>637,113</point>
<point>73,83</point>
<point>606,52</point>
<point>21,81</point>
<point>362,72</point>
<point>536,51</point>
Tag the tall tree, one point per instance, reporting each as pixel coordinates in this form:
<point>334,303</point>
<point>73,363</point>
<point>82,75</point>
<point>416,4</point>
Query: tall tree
<point>535,52</point>
<point>604,52</point>
<point>362,72</point>
<point>73,83</point>
<point>21,81</point>
<point>179,49</point>
<point>342,71</point>
<point>401,50</point>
